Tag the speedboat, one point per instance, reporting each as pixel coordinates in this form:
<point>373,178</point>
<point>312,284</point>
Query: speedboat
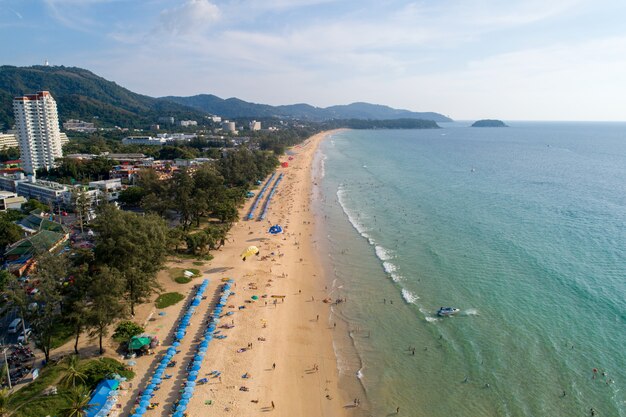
<point>447,311</point>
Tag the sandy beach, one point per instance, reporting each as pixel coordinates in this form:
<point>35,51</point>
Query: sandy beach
<point>282,345</point>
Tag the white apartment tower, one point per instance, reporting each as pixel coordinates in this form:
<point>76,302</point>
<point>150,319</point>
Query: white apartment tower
<point>38,134</point>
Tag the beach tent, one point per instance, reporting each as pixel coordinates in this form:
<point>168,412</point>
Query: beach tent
<point>100,396</point>
<point>276,229</point>
<point>138,342</point>
<point>251,250</point>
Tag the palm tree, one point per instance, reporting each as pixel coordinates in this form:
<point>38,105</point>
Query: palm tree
<point>73,374</point>
<point>79,402</point>
<point>8,406</point>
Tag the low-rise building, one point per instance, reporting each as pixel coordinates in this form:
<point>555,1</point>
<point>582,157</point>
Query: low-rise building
<point>47,192</point>
<point>254,125</point>
<point>79,126</point>
<point>10,201</point>
<point>111,188</point>
<point>187,123</point>
<point>144,140</point>
<point>8,140</point>
<point>8,182</point>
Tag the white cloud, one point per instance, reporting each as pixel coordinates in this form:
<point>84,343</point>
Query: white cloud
<point>191,17</point>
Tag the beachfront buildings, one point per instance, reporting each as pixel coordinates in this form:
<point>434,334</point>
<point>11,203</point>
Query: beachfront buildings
<point>254,125</point>
<point>8,140</point>
<point>37,125</point>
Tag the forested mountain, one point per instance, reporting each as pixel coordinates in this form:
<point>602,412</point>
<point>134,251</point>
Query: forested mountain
<point>234,107</point>
<point>81,94</point>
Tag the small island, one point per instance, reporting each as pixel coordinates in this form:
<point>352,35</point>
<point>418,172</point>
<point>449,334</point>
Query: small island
<point>489,123</point>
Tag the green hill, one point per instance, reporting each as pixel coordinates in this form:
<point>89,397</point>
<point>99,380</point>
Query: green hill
<point>81,94</point>
<point>234,108</point>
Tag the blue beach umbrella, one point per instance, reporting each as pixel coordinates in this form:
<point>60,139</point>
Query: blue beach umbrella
<point>195,368</point>
<point>181,407</point>
<point>141,410</point>
<point>176,344</point>
<point>144,403</point>
<point>191,384</point>
<point>183,403</point>
<point>186,396</point>
<point>148,391</point>
<point>203,350</point>
<point>178,414</point>
<point>193,373</point>
<point>192,377</point>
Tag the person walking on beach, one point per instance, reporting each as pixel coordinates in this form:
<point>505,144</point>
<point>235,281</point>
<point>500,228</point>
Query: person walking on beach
<point>273,406</point>
<point>273,366</point>
<point>397,410</point>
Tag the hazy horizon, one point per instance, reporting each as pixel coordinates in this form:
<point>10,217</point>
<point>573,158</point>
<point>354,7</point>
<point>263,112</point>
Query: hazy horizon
<point>475,59</point>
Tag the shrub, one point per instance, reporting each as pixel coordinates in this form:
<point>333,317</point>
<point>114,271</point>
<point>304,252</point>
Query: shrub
<point>182,280</point>
<point>168,299</point>
<point>125,330</point>
<point>98,369</point>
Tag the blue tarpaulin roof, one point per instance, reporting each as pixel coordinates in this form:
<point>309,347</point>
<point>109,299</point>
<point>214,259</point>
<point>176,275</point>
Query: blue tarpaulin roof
<point>100,395</point>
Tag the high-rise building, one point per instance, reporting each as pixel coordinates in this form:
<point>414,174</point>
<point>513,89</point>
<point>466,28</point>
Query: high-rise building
<point>37,125</point>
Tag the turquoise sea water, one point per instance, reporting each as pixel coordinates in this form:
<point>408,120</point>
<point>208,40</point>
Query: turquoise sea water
<point>522,228</point>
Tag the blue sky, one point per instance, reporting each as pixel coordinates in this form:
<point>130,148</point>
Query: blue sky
<point>470,59</point>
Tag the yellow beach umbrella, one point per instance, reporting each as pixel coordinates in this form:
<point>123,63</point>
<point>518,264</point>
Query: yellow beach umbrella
<point>251,250</point>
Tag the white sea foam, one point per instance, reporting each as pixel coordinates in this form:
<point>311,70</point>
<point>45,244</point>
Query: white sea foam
<point>470,312</point>
<point>359,373</point>
<point>431,319</point>
<point>382,253</point>
<point>359,227</point>
<point>323,166</point>
<point>409,297</point>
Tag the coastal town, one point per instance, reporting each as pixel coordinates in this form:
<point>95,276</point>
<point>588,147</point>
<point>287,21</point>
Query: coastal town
<point>126,291</point>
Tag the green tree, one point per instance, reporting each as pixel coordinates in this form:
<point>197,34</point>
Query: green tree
<point>52,270</point>
<point>182,186</point>
<point>33,204</point>
<point>106,302</point>
<point>81,202</point>
<point>131,196</point>
<point>73,374</point>
<point>78,398</point>
<point>9,233</point>
<point>136,246</point>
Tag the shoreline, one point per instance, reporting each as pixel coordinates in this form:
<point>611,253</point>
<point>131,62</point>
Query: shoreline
<point>284,346</point>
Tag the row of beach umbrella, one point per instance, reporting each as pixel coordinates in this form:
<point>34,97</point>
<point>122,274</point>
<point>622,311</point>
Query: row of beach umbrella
<point>196,365</point>
<point>144,401</point>
<point>250,215</point>
<point>269,198</point>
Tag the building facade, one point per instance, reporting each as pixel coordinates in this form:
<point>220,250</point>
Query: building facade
<point>8,140</point>
<point>37,125</point>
